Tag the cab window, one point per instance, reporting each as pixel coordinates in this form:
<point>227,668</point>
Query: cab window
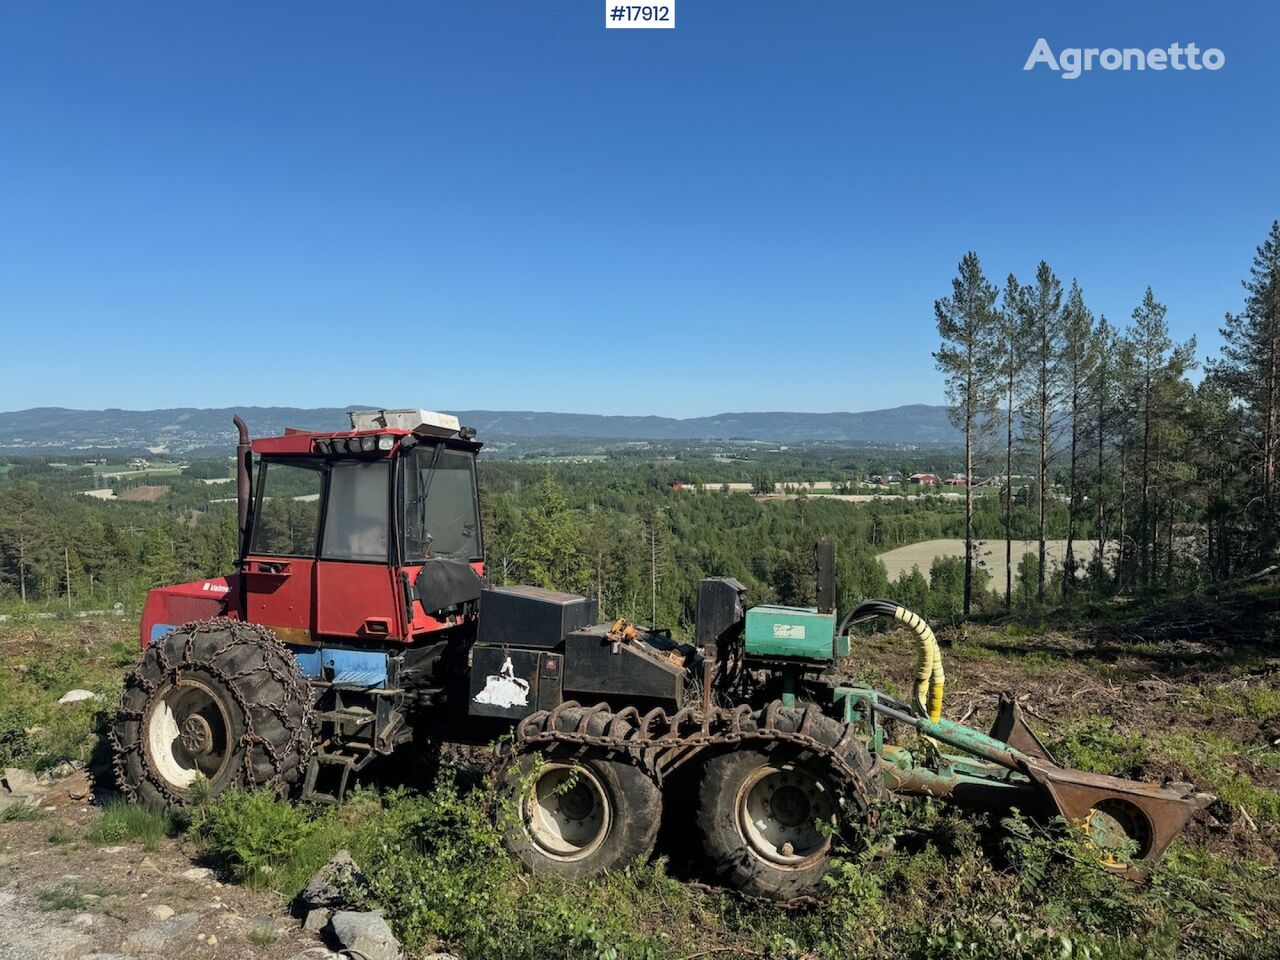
<point>441,516</point>
<point>356,517</point>
<point>288,507</point>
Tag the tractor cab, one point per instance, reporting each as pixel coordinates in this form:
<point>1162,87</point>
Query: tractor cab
<point>369,536</point>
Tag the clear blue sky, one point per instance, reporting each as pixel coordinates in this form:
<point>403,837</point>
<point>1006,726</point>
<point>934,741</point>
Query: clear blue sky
<point>503,205</point>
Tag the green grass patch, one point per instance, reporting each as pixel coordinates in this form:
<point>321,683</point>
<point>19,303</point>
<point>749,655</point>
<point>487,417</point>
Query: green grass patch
<point>36,732</point>
<point>1210,759</point>
<point>122,820</point>
<point>1095,745</point>
<point>255,833</point>
<point>21,813</point>
<point>62,897</point>
<point>1258,704</point>
<point>262,936</point>
<point>266,842</point>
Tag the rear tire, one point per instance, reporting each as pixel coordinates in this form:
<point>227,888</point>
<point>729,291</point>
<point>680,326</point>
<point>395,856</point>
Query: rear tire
<point>216,701</point>
<point>767,816</point>
<point>575,817</point>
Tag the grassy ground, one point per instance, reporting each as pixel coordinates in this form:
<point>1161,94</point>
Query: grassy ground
<point>1189,693</point>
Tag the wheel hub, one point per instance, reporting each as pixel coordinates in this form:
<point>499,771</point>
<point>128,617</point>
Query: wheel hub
<point>783,813</point>
<point>567,812</point>
<point>187,733</point>
<point>196,736</point>
<point>577,804</point>
<point>790,806</point>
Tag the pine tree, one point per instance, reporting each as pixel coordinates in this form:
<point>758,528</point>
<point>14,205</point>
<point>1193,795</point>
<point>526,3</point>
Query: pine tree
<point>1077,361</point>
<point>547,547</point>
<point>656,534</point>
<point>1009,373</point>
<point>1218,451</point>
<point>1101,387</point>
<point>1158,365</point>
<point>1249,368</point>
<point>968,358</point>
<point>1041,315</point>
<point>159,565</point>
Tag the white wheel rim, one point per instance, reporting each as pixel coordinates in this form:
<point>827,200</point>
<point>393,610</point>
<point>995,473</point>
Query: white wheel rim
<point>779,810</point>
<point>187,734</point>
<point>567,813</point>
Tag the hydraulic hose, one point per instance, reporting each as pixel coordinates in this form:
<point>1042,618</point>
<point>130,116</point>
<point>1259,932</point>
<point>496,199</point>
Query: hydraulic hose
<point>930,679</point>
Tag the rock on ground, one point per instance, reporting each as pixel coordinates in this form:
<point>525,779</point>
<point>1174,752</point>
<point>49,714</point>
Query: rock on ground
<point>156,936</point>
<point>326,886</point>
<point>22,782</point>
<point>26,933</point>
<point>8,800</point>
<point>365,933</point>
<point>77,696</point>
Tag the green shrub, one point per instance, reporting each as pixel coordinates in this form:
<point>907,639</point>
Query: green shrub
<point>437,866</point>
<point>17,746</point>
<point>254,833</point>
<point>122,820</point>
<point>52,673</point>
<point>124,653</point>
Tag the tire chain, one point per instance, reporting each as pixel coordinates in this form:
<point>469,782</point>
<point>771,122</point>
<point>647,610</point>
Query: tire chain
<point>301,731</point>
<point>649,738</point>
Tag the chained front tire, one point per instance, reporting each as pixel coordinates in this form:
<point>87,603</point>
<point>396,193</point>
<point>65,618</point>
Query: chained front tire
<point>575,817</point>
<point>767,814</point>
<point>218,702</point>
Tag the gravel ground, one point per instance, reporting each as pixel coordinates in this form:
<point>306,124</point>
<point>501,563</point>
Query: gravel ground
<point>62,896</point>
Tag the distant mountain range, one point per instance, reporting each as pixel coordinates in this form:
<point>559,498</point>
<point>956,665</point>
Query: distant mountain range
<point>183,430</point>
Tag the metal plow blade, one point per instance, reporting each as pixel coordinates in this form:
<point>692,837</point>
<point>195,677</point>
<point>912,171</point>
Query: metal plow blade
<point>1114,812</point>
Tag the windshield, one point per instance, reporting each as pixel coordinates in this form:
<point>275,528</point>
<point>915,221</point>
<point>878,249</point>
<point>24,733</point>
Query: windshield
<point>441,516</point>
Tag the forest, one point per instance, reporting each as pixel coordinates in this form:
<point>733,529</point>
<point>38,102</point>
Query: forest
<point>1179,474</point>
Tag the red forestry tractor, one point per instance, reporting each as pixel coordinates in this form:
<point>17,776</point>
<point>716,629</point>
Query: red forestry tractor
<point>359,621</point>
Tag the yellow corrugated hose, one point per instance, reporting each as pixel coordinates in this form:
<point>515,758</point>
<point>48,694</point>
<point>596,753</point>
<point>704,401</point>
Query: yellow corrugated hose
<point>930,679</point>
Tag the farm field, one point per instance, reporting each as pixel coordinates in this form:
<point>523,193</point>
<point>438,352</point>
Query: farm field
<point>990,555</point>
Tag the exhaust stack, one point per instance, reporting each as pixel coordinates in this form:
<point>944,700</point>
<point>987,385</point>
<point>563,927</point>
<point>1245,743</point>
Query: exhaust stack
<point>244,481</point>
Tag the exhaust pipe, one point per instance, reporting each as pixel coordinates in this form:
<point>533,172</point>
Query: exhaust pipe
<point>244,481</point>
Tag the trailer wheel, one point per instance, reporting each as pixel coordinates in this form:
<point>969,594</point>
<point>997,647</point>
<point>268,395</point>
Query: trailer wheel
<point>218,702</point>
<point>767,816</point>
<point>577,817</point>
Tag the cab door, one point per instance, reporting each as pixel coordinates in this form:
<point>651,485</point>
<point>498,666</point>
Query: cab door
<point>357,596</point>
<point>279,567</point>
